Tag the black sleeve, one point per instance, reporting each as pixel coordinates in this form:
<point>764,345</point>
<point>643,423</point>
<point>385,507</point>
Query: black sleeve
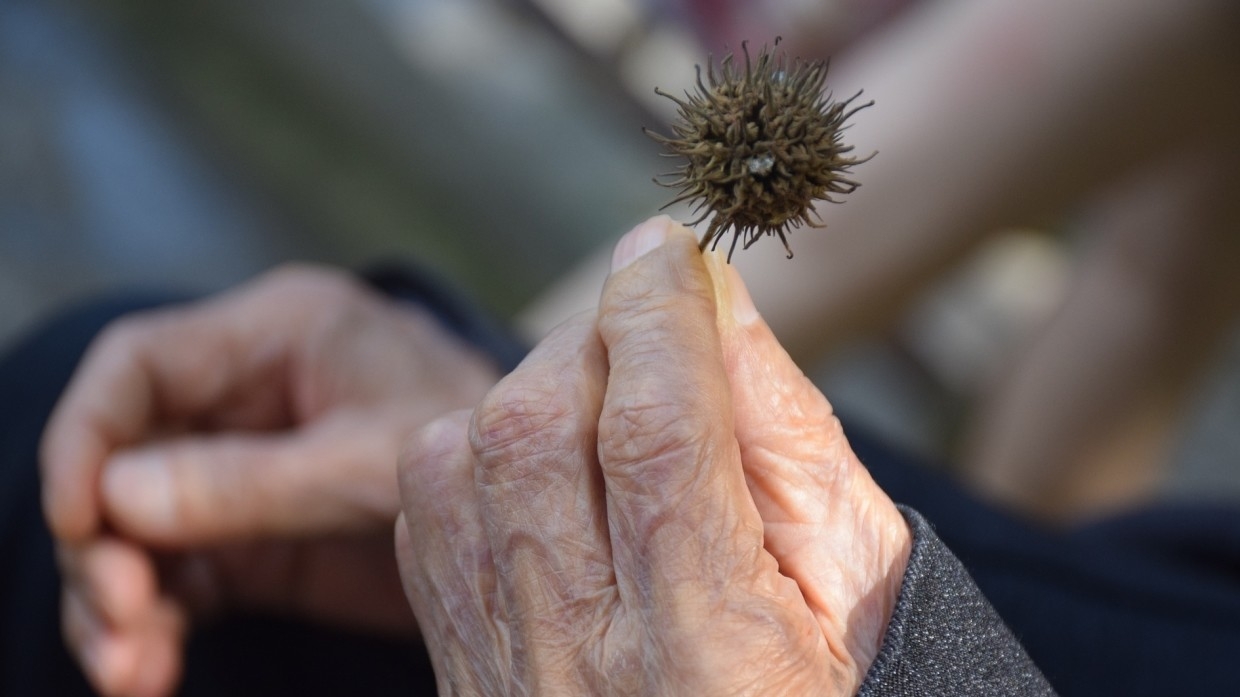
<point>944,637</point>
<point>454,309</point>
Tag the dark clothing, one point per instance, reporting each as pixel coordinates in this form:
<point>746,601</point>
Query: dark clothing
<point>944,638</point>
<point>1147,604</point>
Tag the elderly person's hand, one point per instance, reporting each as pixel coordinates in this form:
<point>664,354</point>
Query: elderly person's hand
<point>656,500</point>
<point>239,452</point>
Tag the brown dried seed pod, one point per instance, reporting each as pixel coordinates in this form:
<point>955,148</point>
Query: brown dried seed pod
<point>761,143</point>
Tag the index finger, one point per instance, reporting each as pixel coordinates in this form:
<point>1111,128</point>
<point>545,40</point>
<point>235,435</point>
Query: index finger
<point>145,372</point>
<point>107,405</point>
<point>679,511</point>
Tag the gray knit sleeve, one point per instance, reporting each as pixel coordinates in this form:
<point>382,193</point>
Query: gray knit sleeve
<point>944,637</point>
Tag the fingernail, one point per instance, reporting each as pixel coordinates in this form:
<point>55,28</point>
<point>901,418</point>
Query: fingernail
<point>640,240</point>
<point>138,489</point>
<point>743,309</point>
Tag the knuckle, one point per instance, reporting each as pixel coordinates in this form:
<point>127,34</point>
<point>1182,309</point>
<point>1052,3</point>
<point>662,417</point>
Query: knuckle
<point>117,350</point>
<point>635,430</point>
<point>126,339</point>
<point>310,283</point>
<point>629,309</point>
<point>619,668</point>
<point>520,420</point>
<point>430,452</point>
<point>549,401</point>
<point>123,334</point>
<point>295,272</point>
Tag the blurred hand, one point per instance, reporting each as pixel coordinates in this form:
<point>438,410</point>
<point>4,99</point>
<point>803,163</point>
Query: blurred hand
<point>239,452</point>
<point>656,500</point>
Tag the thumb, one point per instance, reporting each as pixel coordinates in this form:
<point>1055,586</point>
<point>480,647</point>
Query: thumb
<point>231,487</point>
<point>824,518</point>
<point>776,405</point>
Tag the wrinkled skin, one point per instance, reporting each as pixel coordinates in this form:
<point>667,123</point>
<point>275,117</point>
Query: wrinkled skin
<point>239,452</point>
<point>657,501</point>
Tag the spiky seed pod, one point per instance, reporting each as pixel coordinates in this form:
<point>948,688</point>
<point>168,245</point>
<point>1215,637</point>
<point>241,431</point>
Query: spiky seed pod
<point>761,143</point>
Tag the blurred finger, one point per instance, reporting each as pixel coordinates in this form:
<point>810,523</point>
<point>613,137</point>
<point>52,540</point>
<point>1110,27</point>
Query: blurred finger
<point>335,476</point>
<point>108,658</point>
<point>139,661</point>
<point>157,370</point>
<point>116,578</point>
<point>158,643</point>
<point>126,636</point>
<point>116,396</point>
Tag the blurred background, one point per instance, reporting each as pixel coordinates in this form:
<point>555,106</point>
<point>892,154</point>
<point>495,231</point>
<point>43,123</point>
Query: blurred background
<point>191,145</point>
<point>194,144</point>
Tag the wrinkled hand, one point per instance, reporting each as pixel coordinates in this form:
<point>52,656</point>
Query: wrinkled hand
<point>656,501</point>
<point>239,451</point>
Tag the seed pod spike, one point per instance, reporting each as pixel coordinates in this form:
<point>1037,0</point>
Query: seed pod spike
<point>736,236</point>
<point>710,239</point>
<point>702,90</point>
<point>848,114</point>
<point>688,195</point>
<point>684,107</point>
<point>760,143</point>
<point>748,65</point>
<point>783,238</point>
